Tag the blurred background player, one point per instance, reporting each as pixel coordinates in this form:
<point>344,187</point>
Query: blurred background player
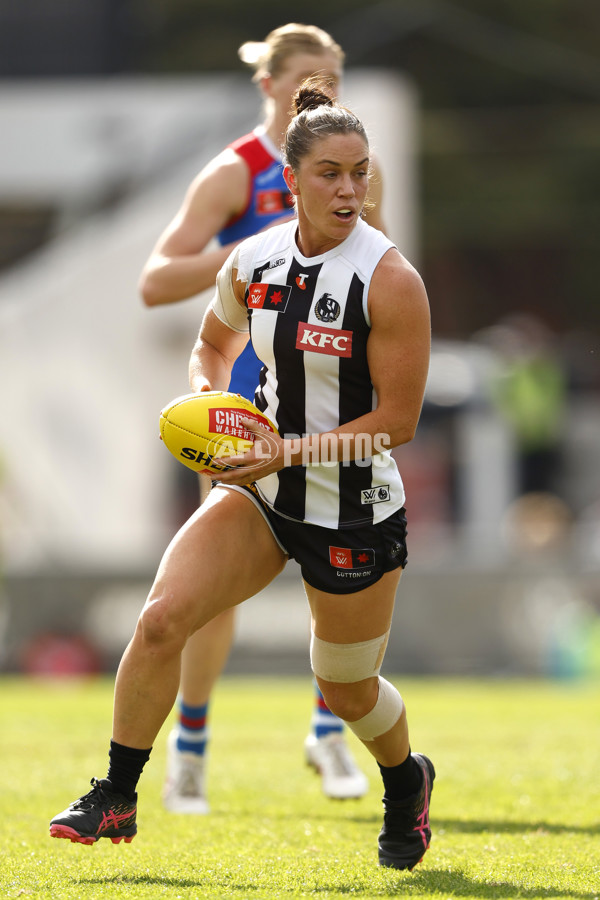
<point>238,193</point>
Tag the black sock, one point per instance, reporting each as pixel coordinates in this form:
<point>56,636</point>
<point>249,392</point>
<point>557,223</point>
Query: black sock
<point>399,782</point>
<point>125,768</point>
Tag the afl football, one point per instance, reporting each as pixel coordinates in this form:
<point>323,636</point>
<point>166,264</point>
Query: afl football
<point>201,430</point>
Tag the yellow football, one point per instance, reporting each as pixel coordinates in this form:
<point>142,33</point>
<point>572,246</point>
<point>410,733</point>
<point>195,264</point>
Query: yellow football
<point>202,430</point>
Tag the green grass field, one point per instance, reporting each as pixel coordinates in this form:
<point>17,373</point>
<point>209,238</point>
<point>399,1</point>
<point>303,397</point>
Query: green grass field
<point>515,809</point>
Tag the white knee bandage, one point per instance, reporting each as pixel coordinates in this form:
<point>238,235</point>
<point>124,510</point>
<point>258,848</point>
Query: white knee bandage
<point>382,717</point>
<point>346,663</point>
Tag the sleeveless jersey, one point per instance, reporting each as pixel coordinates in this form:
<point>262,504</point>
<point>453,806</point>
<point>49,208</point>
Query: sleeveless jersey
<point>268,200</point>
<point>309,323</point>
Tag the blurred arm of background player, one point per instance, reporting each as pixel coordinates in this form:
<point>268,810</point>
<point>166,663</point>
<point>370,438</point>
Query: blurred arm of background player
<point>180,265</point>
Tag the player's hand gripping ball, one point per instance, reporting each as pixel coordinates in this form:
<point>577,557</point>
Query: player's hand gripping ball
<point>202,430</point>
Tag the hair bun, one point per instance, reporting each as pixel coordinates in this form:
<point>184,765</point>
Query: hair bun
<point>311,94</point>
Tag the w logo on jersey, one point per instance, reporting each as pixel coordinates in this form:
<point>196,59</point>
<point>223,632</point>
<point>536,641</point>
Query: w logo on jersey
<point>375,495</point>
<point>268,296</point>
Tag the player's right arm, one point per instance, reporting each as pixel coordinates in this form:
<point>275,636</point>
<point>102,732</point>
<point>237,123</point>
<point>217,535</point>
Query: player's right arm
<point>219,344</point>
<point>180,266</point>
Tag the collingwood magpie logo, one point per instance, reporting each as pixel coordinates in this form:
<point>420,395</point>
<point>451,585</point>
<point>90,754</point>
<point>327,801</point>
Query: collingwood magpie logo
<point>327,309</point>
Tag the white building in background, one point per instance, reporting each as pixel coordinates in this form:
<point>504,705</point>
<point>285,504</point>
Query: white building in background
<point>84,367</point>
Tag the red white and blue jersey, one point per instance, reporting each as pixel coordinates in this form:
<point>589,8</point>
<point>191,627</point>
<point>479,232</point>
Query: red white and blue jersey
<point>268,200</point>
<point>309,323</point>
<point>268,196</point>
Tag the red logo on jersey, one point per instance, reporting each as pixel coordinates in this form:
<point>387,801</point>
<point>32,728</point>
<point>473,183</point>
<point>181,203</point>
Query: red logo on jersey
<point>268,296</point>
<point>269,202</point>
<point>344,558</point>
<point>301,281</point>
<point>319,339</point>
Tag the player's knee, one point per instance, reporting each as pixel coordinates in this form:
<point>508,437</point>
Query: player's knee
<point>348,676</point>
<point>385,713</point>
<point>349,701</point>
<point>160,625</point>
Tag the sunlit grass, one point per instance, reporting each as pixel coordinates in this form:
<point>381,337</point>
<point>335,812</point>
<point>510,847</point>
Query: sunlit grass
<point>515,810</point>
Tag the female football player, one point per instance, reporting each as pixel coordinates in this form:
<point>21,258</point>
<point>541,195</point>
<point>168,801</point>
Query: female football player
<point>345,351</point>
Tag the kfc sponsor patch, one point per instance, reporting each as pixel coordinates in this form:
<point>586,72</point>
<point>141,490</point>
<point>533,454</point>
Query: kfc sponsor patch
<point>318,339</point>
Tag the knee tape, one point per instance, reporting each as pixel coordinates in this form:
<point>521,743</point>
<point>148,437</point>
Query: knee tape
<point>345,663</point>
<point>383,716</point>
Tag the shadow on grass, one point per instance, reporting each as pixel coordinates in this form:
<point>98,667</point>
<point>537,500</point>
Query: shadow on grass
<point>479,826</point>
<point>434,881</point>
<point>475,826</point>
<point>457,884</point>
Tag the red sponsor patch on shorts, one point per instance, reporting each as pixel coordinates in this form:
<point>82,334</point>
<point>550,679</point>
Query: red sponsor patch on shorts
<point>345,558</point>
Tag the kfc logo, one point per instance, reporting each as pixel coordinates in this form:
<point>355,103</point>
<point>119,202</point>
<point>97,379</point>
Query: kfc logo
<point>318,339</point>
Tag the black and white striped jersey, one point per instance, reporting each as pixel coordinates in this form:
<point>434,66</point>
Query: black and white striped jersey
<point>309,325</point>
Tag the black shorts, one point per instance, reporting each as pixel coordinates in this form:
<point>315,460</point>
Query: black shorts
<point>334,560</point>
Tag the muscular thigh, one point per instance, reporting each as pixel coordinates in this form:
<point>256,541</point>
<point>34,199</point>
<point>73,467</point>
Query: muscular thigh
<point>360,616</point>
<point>224,554</point>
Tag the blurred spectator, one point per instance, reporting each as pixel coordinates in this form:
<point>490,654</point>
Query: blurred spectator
<point>530,393</point>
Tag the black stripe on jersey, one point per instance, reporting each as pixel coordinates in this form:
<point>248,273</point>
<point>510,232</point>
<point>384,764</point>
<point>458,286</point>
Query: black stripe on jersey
<point>291,384</point>
<point>355,399</point>
<point>259,400</point>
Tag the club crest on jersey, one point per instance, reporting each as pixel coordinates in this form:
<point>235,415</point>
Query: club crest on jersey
<point>268,296</point>
<point>345,558</point>
<point>327,309</point>
<point>319,339</point>
<point>375,495</point>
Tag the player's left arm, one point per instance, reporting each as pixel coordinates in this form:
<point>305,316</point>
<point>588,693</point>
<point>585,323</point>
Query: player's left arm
<point>398,348</point>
